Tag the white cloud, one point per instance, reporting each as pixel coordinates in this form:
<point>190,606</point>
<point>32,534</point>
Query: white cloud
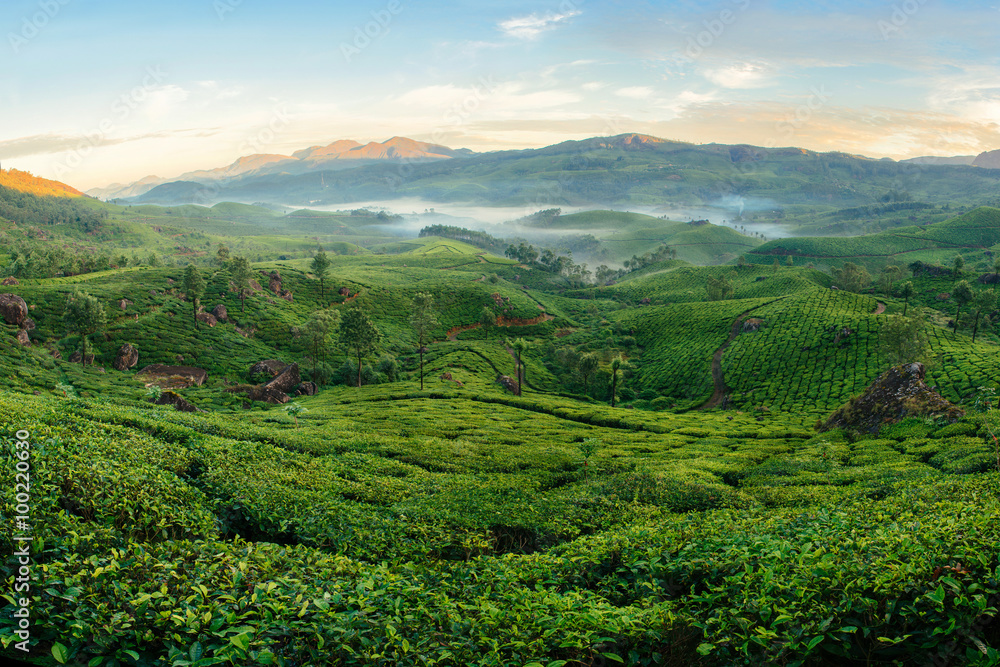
<point>162,100</point>
<point>635,92</point>
<point>594,85</point>
<point>533,25</point>
<point>739,75</point>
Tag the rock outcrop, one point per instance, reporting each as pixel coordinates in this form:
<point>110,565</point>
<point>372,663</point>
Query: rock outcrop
<point>22,338</point>
<point>508,383</point>
<point>307,389</point>
<point>286,380</point>
<point>128,357</point>
<point>267,395</point>
<point>207,318</point>
<point>10,281</point>
<point>898,393</point>
<point>173,377</point>
<point>77,357</point>
<point>180,404</point>
<point>220,313</point>
<point>13,309</point>
<point>264,371</point>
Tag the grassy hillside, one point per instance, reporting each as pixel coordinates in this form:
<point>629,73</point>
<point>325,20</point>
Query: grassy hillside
<point>973,235</point>
<point>700,521</point>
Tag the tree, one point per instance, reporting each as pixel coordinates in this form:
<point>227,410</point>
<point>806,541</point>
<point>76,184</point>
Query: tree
<point>194,287</point>
<point>776,266</point>
<point>890,274</point>
<point>719,289</point>
<point>222,254</point>
<point>316,333</point>
<point>295,409</point>
<point>423,322</point>
<point>359,334</point>
<point>589,364</point>
<point>906,291</point>
<point>321,267</point>
<point>984,302</point>
<point>789,261</point>
<point>852,277</point>
<point>962,293</point>
<point>587,448</point>
<point>903,339</point>
<point>488,320</point>
<point>959,264</point>
<point>85,315</point>
<point>239,270</point>
<point>618,365</point>
<point>518,346</point>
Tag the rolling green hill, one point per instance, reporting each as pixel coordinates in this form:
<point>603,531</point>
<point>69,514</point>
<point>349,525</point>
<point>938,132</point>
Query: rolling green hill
<point>656,495</point>
<point>971,235</point>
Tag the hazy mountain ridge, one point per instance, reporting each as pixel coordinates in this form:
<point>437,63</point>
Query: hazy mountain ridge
<point>341,154</point>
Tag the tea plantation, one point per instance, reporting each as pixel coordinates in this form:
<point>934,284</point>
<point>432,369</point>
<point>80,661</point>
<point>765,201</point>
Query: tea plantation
<point>701,519</point>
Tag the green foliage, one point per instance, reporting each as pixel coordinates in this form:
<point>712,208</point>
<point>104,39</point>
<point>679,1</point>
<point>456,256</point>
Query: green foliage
<point>359,334</point>
<point>852,277</point>
<point>85,315</point>
<point>321,267</point>
<point>194,287</point>
<point>903,339</point>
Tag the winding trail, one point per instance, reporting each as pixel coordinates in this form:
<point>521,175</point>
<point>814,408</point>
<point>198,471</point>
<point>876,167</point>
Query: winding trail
<point>721,390</point>
<point>719,395</point>
<point>879,309</point>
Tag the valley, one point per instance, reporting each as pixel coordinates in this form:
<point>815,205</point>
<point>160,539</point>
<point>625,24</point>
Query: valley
<point>584,438</point>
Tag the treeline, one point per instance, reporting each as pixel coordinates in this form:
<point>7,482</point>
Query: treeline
<point>23,208</point>
<point>470,236</point>
<point>871,210</point>
<point>546,259</point>
<point>48,262</point>
<point>606,275</point>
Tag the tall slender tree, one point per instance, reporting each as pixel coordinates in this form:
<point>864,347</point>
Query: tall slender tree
<point>906,291</point>
<point>488,320</point>
<point>240,272</point>
<point>984,302</point>
<point>85,315</point>
<point>589,364</point>
<point>316,333</point>
<point>358,333</point>
<point>321,267</point>
<point>194,287</point>
<point>618,365</point>
<point>423,322</point>
<point>962,293</point>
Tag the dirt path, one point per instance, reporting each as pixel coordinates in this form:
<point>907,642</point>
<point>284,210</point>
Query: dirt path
<point>501,322</point>
<point>879,309</point>
<point>719,395</point>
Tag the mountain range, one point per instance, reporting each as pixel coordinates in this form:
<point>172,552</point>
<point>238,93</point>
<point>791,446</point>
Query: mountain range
<point>627,169</point>
<point>341,154</point>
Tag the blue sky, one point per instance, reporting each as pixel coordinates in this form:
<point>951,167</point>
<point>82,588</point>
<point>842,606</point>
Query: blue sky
<point>93,92</point>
